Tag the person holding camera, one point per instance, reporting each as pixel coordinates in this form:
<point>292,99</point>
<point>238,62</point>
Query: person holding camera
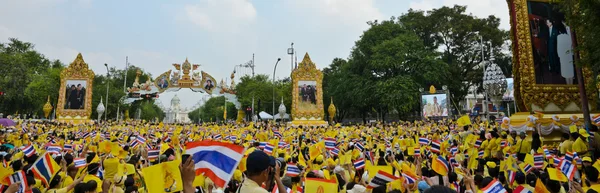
<point>261,168</point>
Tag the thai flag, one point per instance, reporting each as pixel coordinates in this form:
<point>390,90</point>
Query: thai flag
<point>423,141</point>
<point>503,143</point>
<point>153,153</point>
<point>79,162</point>
<point>86,135</point>
<point>369,156</point>
<point>427,153</point>
<point>335,151</point>
<point>134,143</point>
<point>166,139</point>
<point>100,173</point>
<point>409,178</point>
<point>538,160</point>
<point>567,168</point>
<point>269,149</point>
<point>417,151</point>
<point>596,119</point>
<point>511,176</point>
<point>569,156</point>
<point>292,170</point>
<point>359,164</point>
<point>453,150</point>
<point>216,160</point>
<point>54,149</point>
<point>94,134</point>
<point>527,168</point>
<point>330,143</point>
<point>148,146</point>
<point>281,145</point>
<point>556,162</point>
<point>359,146</point>
<point>262,145</point>
<point>478,143</point>
<point>388,144</point>
<point>466,155</point>
<point>547,153</point>
<point>453,162</point>
<point>435,146</point>
<point>29,150</point>
<point>68,147</point>
<point>521,189</point>
<point>217,137</point>
<point>494,187</point>
<point>141,139</point>
<point>480,154</point>
<point>19,177</point>
<point>380,179</point>
<point>233,138</point>
<point>277,134</point>
<point>24,129</point>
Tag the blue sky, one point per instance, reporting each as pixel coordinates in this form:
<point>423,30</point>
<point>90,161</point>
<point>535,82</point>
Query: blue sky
<point>217,34</point>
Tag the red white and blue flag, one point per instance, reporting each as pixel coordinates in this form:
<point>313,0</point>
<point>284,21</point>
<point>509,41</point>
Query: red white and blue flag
<point>494,187</point>
<point>330,143</point>
<point>359,164</point>
<point>269,149</point>
<point>380,179</point>
<point>521,189</point>
<point>292,170</point>
<point>141,139</point>
<point>45,168</point>
<point>278,134</point>
<point>453,150</point>
<point>423,141</point>
<point>153,153</point>
<point>54,149</point>
<point>29,150</point>
<point>262,145</point>
<point>570,156</point>
<point>538,160</point>
<point>19,177</point>
<point>216,160</point>
<point>417,151</point>
<point>567,168</point>
<point>359,146</point>
<point>409,178</point>
<point>528,168</point>
<point>79,162</point>
<point>478,143</point>
<point>596,119</point>
<point>511,176</point>
<point>480,153</point>
<point>68,147</point>
<point>435,146</point>
<point>335,151</point>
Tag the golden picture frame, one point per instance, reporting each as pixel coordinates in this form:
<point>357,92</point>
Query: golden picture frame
<point>205,84</point>
<point>76,73</point>
<point>163,81</point>
<point>309,108</point>
<point>529,92</point>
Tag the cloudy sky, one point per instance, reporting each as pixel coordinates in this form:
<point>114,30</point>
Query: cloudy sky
<point>217,34</point>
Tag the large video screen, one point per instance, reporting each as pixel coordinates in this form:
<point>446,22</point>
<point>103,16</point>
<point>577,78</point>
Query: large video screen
<point>434,105</point>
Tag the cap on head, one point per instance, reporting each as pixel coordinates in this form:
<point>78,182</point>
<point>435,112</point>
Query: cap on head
<point>258,161</point>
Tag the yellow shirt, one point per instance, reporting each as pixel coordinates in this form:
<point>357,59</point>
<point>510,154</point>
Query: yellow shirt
<point>566,146</point>
<point>595,187</point>
<point>524,146</point>
<point>62,190</point>
<point>88,178</point>
<point>250,186</point>
<point>580,146</point>
<point>66,182</point>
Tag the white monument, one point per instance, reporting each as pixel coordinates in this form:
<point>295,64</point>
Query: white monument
<point>175,114</point>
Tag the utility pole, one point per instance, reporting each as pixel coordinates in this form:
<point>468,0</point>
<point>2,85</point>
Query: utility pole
<point>124,86</point>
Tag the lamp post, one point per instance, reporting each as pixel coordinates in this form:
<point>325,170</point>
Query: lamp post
<point>494,83</point>
<point>274,69</point>
<point>107,86</point>
<point>290,51</point>
<point>124,85</point>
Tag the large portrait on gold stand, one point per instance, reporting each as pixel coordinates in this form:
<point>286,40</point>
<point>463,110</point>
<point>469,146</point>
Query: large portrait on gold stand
<point>543,64</point>
<point>75,94</point>
<point>307,94</point>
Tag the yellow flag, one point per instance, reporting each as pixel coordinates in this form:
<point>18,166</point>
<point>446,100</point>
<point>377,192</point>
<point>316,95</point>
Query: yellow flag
<point>463,121</point>
<point>315,185</point>
<point>5,172</point>
<point>164,176</point>
<point>540,187</point>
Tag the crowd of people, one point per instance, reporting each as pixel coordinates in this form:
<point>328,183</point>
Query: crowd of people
<point>419,157</point>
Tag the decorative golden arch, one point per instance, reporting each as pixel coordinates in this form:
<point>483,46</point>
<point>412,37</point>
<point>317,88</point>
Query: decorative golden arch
<point>307,81</point>
<point>76,73</point>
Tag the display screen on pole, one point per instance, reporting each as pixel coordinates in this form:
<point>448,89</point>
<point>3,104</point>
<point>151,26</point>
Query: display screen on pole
<point>434,105</point>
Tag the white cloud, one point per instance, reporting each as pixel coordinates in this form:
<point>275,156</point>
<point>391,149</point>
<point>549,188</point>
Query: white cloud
<point>221,15</point>
<point>479,8</point>
<point>354,13</point>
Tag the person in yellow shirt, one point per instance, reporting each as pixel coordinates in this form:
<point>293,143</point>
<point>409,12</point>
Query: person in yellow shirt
<point>92,170</point>
<point>566,144</point>
<point>580,145</point>
<point>523,146</point>
<point>56,181</point>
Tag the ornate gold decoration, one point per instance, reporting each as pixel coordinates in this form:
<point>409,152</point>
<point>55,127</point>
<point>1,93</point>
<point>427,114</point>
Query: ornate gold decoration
<point>527,90</point>
<point>47,108</point>
<point>331,110</point>
<point>307,71</point>
<point>77,70</point>
<point>205,77</point>
<point>432,90</point>
<point>157,82</point>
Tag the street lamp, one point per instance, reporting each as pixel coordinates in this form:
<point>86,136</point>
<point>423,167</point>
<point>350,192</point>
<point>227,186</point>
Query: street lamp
<point>274,69</point>
<point>107,85</point>
<point>124,86</point>
<point>290,51</point>
<point>494,83</point>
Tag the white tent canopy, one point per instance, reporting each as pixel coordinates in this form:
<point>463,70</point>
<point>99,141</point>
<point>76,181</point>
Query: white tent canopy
<point>265,116</point>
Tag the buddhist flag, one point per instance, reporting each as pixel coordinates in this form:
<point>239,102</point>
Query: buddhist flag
<point>316,185</point>
<point>440,165</point>
<point>540,187</point>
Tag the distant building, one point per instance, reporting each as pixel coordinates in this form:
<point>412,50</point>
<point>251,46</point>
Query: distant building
<point>175,114</point>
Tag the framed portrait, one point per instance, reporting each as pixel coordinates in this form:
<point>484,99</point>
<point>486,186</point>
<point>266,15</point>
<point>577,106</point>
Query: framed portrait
<point>434,105</point>
<point>307,93</point>
<point>543,67</point>
<point>162,81</point>
<point>75,94</point>
<point>208,82</point>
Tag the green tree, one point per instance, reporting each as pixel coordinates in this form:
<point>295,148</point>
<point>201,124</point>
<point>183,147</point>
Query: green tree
<point>213,110</point>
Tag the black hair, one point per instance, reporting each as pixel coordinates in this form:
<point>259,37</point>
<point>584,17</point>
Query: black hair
<point>536,142</point>
<point>531,178</point>
<point>452,177</point>
<point>520,178</point>
<point>484,182</point>
<point>477,179</point>
<point>553,186</point>
<point>131,189</point>
<point>380,189</point>
<point>17,165</point>
<point>591,174</point>
<point>93,168</point>
<point>55,180</point>
<point>129,181</point>
<point>439,189</point>
<point>566,136</point>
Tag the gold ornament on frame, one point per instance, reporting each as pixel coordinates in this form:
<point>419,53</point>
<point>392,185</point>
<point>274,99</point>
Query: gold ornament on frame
<point>307,94</point>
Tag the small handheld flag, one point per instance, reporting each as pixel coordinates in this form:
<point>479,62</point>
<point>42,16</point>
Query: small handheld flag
<point>494,187</point>
<point>292,170</point>
<point>380,179</point>
<point>359,164</point>
<point>79,162</point>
